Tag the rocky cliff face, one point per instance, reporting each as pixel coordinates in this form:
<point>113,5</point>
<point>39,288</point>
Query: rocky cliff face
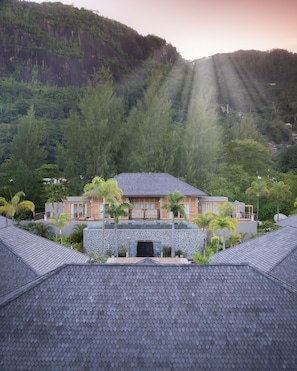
<point>35,44</point>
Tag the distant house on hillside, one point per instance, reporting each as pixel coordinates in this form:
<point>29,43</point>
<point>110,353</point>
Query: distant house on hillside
<point>148,223</point>
<point>147,192</point>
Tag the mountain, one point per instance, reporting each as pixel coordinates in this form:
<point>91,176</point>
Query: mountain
<point>253,81</point>
<point>61,45</point>
<point>90,96</point>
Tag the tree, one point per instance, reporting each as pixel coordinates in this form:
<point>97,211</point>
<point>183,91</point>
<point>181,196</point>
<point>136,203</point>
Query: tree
<point>107,190</point>
<point>176,208</point>
<point>92,135</point>
<point>27,153</point>
<point>57,192</point>
<point>230,181</point>
<point>203,221</point>
<point>251,155</point>
<point>59,221</point>
<point>258,188</point>
<point>222,223</point>
<point>116,210</point>
<point>15,205</point>
<point>286,160</point>
<point>150,135</point>
<point>42,229</point>
<point>27,145</point>
<point>279,192</point>
<point>201,142</point>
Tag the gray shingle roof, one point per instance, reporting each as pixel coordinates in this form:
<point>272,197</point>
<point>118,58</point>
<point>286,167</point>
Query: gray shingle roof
<point>13,271</point>
<point>266,253</point>
<point>40,254</point>
<point>291,221</point>
<point>286,269</point>
<point>4,222</point>
<point>98,317</point>
<point>154,184</point>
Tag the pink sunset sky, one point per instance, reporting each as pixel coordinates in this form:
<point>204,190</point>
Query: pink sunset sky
<point>201,28</point>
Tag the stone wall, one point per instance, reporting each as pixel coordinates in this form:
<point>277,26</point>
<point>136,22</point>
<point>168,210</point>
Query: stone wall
<point>186,240</point>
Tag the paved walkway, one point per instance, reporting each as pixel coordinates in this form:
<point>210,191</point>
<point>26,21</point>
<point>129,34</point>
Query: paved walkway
<point>157,260</point>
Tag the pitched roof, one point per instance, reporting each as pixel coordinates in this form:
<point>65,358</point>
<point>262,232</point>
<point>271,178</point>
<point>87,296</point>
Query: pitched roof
<point>290,221</point>
<point>25,256</point>
<point>154,184</point>
<point>151,317</point>
<point>266,253</point>
<point>13,271</point>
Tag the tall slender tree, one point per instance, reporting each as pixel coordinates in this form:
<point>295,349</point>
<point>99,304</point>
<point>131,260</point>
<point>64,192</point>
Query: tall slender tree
<point>176,208</point>
<point>151,134</point>
<point>279,192</point>
<point>258,188</point>
<point>223,223</point>
<point>57,193</point>
<point>203,221</point>
<point>201,142</point>
<point>107,190</point>
<point>26,155</point>
<point>92,135</point>
<point>59,221</point>
<point>116,210</point>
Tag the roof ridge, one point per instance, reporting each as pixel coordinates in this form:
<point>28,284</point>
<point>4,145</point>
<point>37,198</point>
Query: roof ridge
<point>18,256</point>
<point>7,298</point>
<point>284,257</point>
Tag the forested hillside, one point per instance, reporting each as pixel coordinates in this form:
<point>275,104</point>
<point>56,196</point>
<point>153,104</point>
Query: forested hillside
<point>82,95</point>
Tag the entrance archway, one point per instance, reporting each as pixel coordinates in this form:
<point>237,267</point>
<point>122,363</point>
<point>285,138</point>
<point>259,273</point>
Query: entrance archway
<point>145,249</point>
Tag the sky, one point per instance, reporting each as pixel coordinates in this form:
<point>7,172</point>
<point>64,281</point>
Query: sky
<point>202,28</point>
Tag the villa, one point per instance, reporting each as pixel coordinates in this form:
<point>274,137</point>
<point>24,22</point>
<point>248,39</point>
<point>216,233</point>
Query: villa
<point>148,225</point>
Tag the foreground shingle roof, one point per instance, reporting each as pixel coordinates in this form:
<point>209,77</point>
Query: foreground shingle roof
<point>122,317</point>
<point>267,252</point>
<point>25,256</point>
<point>154,184</point>
<point>41,254</point>
<point>14,272</point>
<point>291,221</point>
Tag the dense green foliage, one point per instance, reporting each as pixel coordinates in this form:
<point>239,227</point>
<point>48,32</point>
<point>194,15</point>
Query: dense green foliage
<point>218,123</point>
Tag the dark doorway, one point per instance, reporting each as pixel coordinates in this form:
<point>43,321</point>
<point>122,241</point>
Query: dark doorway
<point>145,249</point>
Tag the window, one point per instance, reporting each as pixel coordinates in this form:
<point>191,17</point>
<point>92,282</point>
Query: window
<point>106,215</point>
<point>187,210</point>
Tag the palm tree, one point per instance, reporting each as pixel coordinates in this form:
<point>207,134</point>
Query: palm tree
<point>279,191</point>
<point>57,193</point>
<point>203,221</point>
<point>116,210</point>
<point>175,207</point>
<point>107,190</point>
<point>59,221</point>
<point>42,229</point>
<point>221,224</point>
<point>258,188</point>
<point>15,205</point>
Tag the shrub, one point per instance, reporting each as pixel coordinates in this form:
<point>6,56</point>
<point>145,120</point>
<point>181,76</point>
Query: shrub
<point>199,259</point>
<point>94,257</point>
<point>180,253</point>
<point>122,252</point>
<point>166,250</point>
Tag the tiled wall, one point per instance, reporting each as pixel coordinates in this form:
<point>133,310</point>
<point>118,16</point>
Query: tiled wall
<point>188,241</point>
